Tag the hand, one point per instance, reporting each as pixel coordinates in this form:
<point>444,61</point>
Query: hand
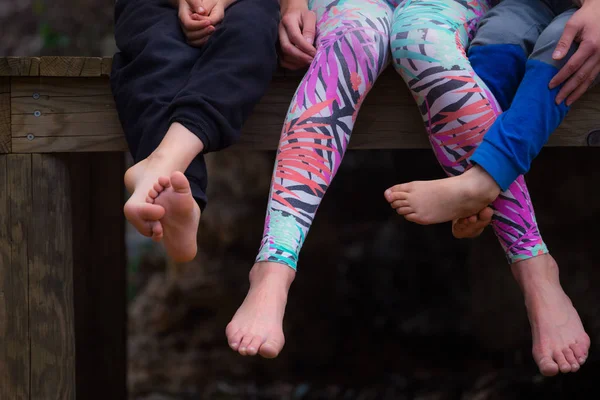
<point>584,66</point>
<point>297,35</point>
<point>194,23</point>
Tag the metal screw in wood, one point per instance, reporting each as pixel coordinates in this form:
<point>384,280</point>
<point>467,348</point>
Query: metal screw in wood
<point>30,136</point>
<point>593,138</point>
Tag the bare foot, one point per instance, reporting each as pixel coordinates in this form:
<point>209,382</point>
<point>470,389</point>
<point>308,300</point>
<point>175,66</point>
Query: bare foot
<point>559,339</point>
<point>257,326</point>
<point>144,216</point>
<point>181,218</point>
<point>442,200</point>
<point>473,226</point>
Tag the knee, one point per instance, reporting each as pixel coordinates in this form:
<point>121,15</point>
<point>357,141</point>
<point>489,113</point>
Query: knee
<point>546,44</point>
<point>367,49</point>
<point>253,22</point>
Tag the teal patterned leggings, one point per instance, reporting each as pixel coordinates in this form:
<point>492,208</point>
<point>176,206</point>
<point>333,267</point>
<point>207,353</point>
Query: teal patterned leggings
<point>428,39</point>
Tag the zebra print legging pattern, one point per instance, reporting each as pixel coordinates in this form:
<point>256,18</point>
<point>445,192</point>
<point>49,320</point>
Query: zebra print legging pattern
<point>428,40</point>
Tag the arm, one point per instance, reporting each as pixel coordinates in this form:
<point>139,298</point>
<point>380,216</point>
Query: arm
<point>584,66</point>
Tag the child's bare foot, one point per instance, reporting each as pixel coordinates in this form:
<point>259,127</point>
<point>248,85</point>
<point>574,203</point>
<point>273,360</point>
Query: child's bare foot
<point>442,200</point>
<point>559,339</point>
<point>139,179</point>
<point>181,218</point>
<point>473,226</point>
<point>257,326</point>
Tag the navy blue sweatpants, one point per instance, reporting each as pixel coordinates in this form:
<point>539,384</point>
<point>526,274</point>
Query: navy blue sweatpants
<point>158,79</point>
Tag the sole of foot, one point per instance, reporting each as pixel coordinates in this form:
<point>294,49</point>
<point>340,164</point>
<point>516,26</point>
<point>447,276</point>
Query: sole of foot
<point>472,227</point>
<point>142,215</point>
<point>179,225</point>
<point>443,200</point>
<point>257,326</point>
<point>560,343</point>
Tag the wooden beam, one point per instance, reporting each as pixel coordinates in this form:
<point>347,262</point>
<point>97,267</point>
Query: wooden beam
<point>71,66</point>
<point>52,326</point>
<point>99,269</point>
<point>15,227</point>
<point>78,114</point>
<point>19,66</point>
<point>5,115</point>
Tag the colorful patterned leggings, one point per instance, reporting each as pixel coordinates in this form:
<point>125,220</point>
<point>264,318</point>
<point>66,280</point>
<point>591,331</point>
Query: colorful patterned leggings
<point>428,40</point>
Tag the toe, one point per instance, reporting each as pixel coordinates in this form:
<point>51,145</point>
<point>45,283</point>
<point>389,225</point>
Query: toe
<point>151,212</point>
<point>164,181</point>
<point>157,231</point>
<point>486,215</point>
<point>254,345</point>
<point>397,190</point>
<point>246,340</point>
<point>562,362</point>
<point>158,187</point>
<point>234,336</point>
<point>271,348</point>
<point>570,357</point>
<point>400,203</point>
<point>180,182</point>
<point>404,211</point>
<point>152,193</point>
<point>579,353</point>
<point>547,366</point>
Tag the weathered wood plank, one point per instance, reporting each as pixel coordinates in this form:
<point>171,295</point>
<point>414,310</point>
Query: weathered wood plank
<point>4,115</point>
<point>78,114</point>
<point>15,227</point>
<point>71,66</point>
<point>19,66</point>
<point>99,274</point>
<point>68,144</point>
<point>51,281</point>
<point>106,66</point>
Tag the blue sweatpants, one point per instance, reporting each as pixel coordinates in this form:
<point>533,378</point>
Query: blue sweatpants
<point>512,53</point>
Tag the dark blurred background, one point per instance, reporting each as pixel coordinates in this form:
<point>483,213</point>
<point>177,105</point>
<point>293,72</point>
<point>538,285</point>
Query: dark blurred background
<point>381,308</point>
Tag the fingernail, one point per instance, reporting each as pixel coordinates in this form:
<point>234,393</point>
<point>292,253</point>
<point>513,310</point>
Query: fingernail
<point>200,10</point>
<point>308,39</point>
<point>388,192</point>
<point>581,360</point>
<point>556,54</point>
<point>551,85</point>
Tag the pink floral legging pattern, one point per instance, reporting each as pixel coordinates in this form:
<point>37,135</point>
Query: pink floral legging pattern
<point>428,39</point>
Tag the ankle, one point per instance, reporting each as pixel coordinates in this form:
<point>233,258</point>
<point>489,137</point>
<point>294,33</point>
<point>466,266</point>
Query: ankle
<point>536,272</point>
<point>481,184</point>
<point>270,271</point>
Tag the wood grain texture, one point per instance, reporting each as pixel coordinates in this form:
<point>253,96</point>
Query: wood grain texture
<point>79,115</point>
<point>52,326</point>
<point>5,115</point>
<point>71,66</point>
<point>106,66</point>
<point>99,274</point>
<point>15,228</point>
<point>19,66</point>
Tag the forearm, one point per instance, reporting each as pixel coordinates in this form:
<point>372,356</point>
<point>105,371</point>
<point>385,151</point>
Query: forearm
<point>582,2</point>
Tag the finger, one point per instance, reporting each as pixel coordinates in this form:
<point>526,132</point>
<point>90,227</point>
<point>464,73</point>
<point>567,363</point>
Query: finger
<point>572,28</point>
<point>292,27</point>
<point>196,6</point>
<point>291,52</point>
<point>216,15</point>
<point>309,28</point>
<point>576,80</point>
<point>580,91</point>
<point>201,34</point>
<point>190,24</point>
<point>584,52</point>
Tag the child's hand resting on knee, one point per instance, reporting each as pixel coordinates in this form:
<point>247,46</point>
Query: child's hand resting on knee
<point>297,34</point>
<point>199,17</point>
